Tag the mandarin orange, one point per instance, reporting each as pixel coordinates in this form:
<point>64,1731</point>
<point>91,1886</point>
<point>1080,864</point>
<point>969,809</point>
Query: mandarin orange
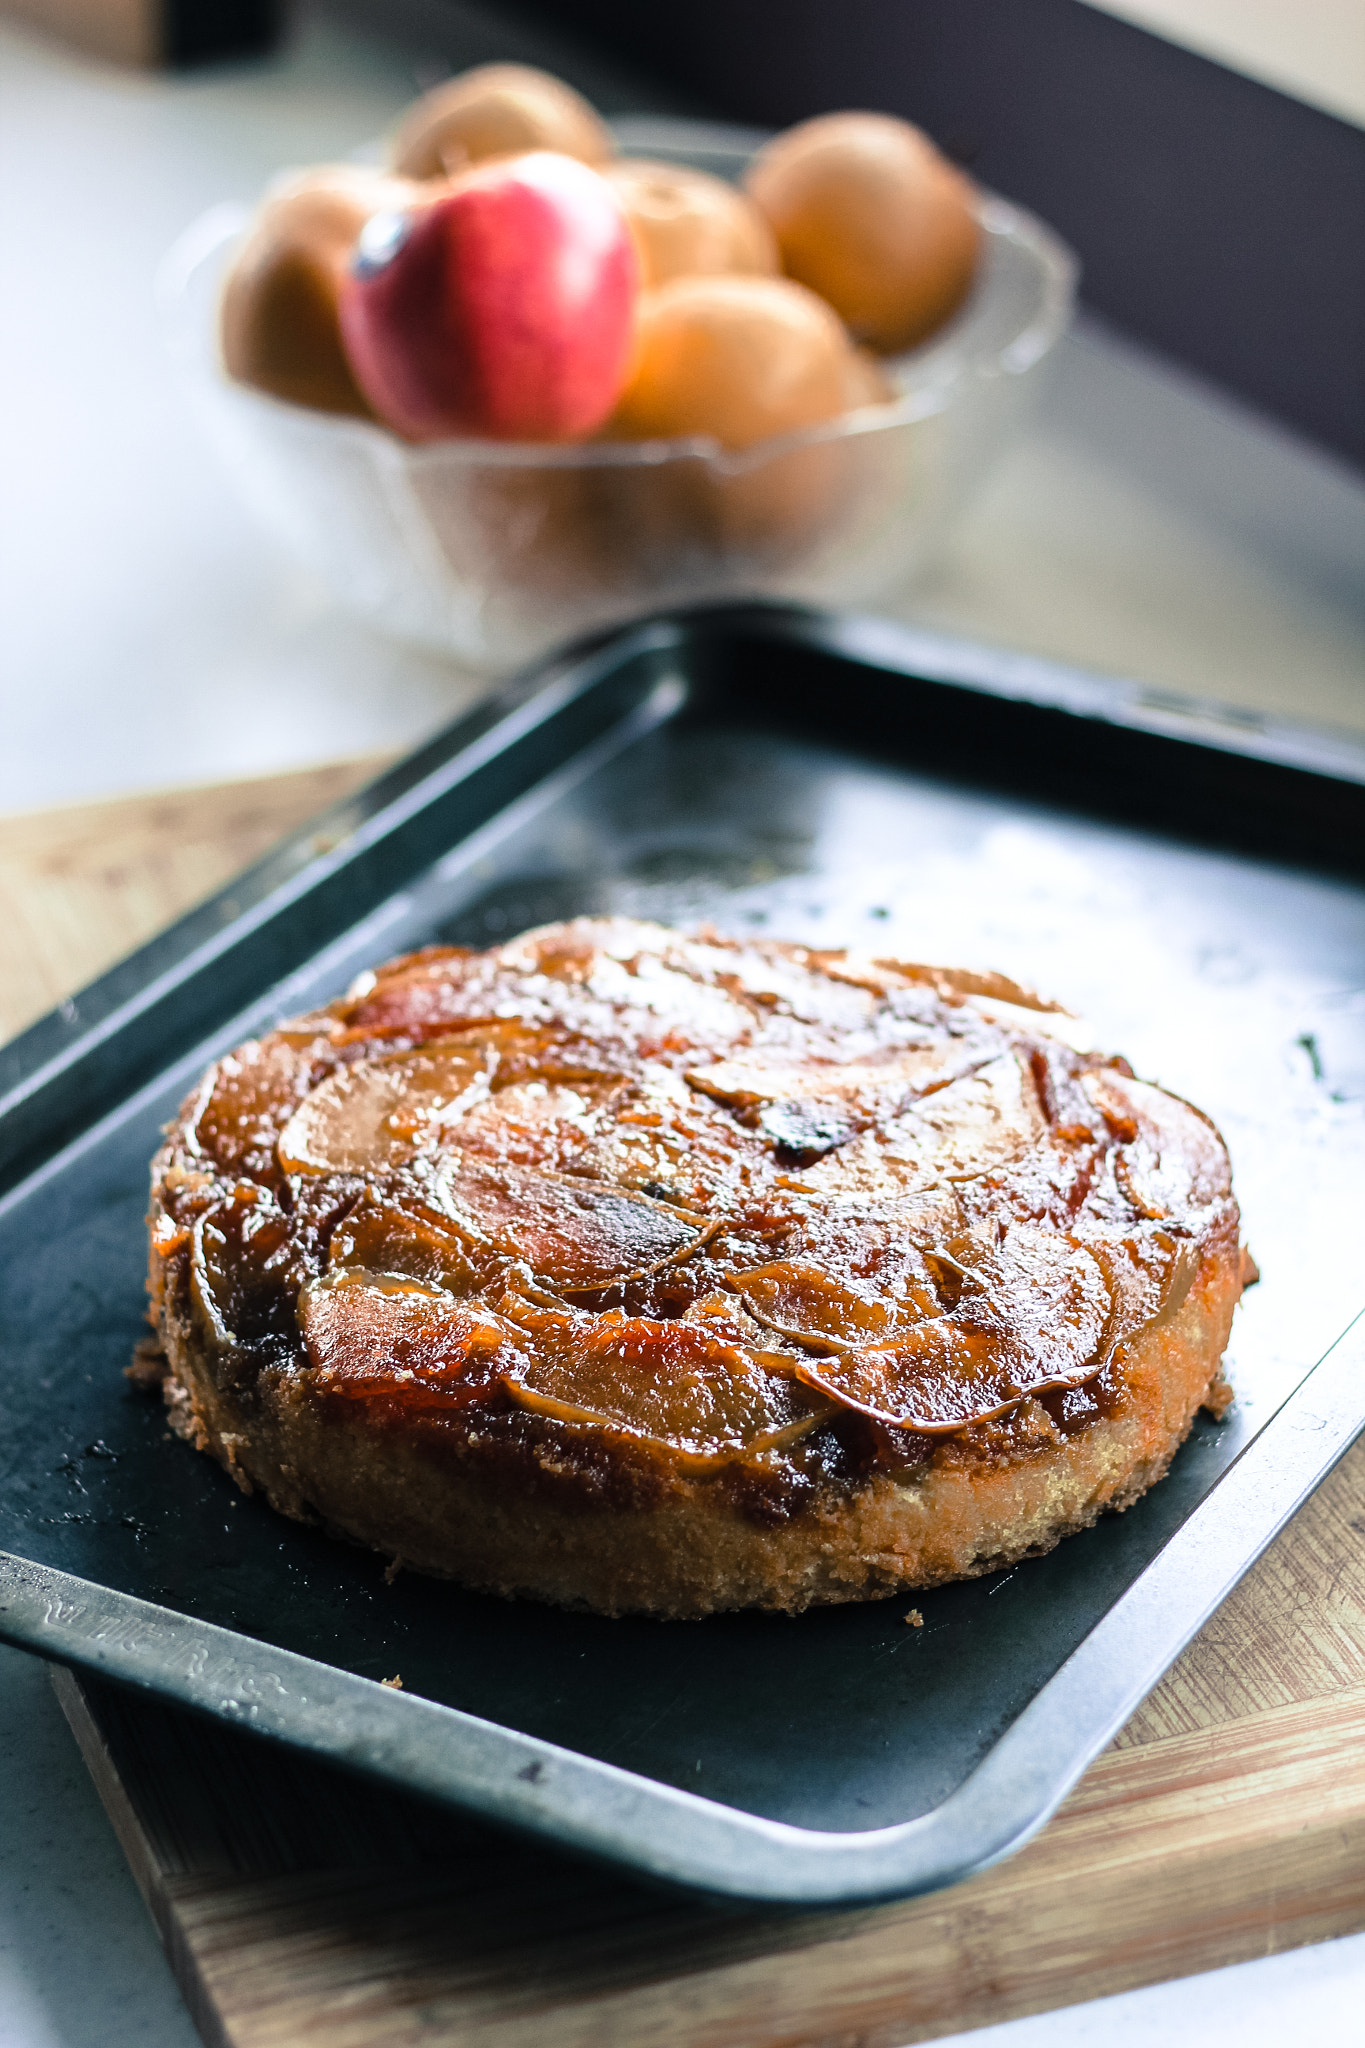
<point>739,358</point>
<point>688,223</point>
<point>868,214</point>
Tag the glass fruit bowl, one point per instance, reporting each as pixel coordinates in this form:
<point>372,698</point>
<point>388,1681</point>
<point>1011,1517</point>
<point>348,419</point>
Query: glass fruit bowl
<point>493,552</point>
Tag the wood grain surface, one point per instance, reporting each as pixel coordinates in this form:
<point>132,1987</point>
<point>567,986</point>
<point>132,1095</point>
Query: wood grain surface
<point>82,885</point>
<point>301,1906</point>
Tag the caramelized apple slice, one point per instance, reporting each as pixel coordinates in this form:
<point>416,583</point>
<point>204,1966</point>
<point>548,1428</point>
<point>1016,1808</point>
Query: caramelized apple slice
<point>244,1268</point>
<point>370,1338</point>
<point>788,981</point>
<point>811,1308</point>
<point>574,1234</point>
<point>807,1109</point>
<point>667,1141</point>
<point>1149,1275</point>
<point>381,1113</point>
<point>1032,1315</point>
<point>545,1123</point>
<point>669,1384</point>
<point>981,1120</point>
<point>1172,1158</point>
<point>246,1098</point>
<point>402,1239</point>
<point>622,980</point>
<point>956,982</point>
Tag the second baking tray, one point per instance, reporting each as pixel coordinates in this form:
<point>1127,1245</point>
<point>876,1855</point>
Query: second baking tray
<point>1191,884</point>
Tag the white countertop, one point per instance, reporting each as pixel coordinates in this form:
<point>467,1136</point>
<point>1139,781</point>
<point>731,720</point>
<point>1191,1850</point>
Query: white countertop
<point>151,637</point>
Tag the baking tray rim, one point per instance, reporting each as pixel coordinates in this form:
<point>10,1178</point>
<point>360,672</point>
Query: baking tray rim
<point>581,1801</point>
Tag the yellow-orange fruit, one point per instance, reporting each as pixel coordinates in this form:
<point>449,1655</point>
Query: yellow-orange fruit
<point>742,358</point>
<point>870,215</point>
<point>497,110</point>
<point>689,224</point>
<point>278,317</point>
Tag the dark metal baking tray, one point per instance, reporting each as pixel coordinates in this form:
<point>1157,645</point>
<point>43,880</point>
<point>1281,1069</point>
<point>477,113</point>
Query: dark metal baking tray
<point>1188,879</point>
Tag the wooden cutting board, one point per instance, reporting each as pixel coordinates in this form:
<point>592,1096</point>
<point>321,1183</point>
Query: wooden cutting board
<point>299,1906</point>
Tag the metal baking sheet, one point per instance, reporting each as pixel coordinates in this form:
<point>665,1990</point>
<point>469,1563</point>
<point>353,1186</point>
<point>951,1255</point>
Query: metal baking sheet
<point>1190,882</point>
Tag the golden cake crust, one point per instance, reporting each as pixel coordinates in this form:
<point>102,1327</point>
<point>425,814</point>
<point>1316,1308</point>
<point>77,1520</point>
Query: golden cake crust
<point>667,1275</point>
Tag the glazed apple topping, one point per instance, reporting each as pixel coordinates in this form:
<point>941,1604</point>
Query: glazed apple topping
<point>1170,1158</point>
<point>375,1113</point>
<point>1033,1316</point>
<point>815,1311</point>
<point>703,1194</point>
<point>374,1338</point>
<point>671,1384</point>
<point>574,1234</point>
<point>403,1237</point>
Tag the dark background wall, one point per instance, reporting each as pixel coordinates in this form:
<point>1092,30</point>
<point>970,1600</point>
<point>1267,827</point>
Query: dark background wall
<point>1217,219</point>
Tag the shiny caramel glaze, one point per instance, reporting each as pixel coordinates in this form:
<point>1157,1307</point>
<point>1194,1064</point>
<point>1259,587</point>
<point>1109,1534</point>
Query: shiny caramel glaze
<point>607,1210</point>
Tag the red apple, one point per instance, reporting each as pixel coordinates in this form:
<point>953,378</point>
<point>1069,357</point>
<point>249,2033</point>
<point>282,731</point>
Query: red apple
<point>504,310</point>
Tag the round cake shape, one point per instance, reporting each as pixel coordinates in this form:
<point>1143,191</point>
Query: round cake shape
<point>663,1274</point>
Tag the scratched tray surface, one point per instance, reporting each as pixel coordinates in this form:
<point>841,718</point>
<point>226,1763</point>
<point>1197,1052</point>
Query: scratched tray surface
<point>1235,981</point>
